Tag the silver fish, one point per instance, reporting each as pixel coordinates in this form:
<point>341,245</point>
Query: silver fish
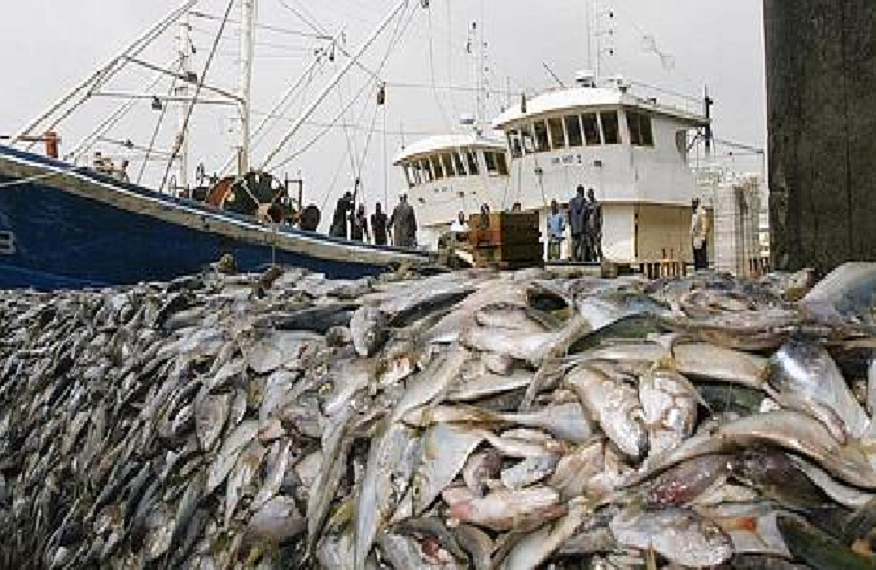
<point>573,473</point>
<point>445,451</point>
<point>210,415</point>
<point>369,327</point>
<point>504,510</point>
<point>808,371</point>
<point>537,547</point>
<point>228,454</point>
<point>382,488</point>
<point>710,362</point>
<point>669,402</point>
<point>277,521</point>
<point>615,406</point>
<point>529,471</point>
<point>677,534</point>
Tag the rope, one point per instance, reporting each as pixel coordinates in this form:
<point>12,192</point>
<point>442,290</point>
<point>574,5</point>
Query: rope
<point>155,132</point>
<point>202,79</point>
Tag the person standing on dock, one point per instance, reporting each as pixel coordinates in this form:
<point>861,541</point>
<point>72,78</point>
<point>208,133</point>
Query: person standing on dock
<point>404,224</point>
<point>342,211</point>
<point>460,226</point>
<point>379,225</point>
<point>699,232</point>
<point>594,227</point>
<point>578,223</point>
<point>359,225</point>
<point>556,232</point>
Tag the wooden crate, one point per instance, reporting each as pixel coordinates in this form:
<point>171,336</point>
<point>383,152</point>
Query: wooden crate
<point>507,241</point>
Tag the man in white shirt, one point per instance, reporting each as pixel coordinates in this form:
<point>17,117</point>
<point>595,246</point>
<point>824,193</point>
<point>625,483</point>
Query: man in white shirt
<point>460,226</point>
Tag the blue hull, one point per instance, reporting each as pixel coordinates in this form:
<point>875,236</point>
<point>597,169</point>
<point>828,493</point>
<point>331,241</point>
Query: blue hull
<point>77,229</point>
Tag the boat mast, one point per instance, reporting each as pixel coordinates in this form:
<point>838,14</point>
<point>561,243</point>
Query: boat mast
<point>247,42</point>
<point>182,91</point>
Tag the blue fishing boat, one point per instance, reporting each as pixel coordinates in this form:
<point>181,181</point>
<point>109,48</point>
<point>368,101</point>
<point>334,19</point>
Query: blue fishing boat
<point>68,225</point>
<point>71,227</point>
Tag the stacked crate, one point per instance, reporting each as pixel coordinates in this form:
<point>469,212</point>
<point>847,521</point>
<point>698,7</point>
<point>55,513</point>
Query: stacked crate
<point>737,227</point>
<point>509,240</point>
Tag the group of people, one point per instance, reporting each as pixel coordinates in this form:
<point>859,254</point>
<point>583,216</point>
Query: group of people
<point>584,220</point>
<point>351,222</point>
<point>106,166</point>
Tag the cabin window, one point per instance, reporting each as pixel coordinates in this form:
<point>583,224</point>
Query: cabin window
<point>610,127</point>
<point>641,132</point>
<point>490,159</point>
<point>515,144</point>
<point>426,167</point>
<point>635,128</point>
<point>573,130</point>
<point>415,174</point>
<point>437,169</point>
<point>448,165</point>
<point>591,129</point>
<point>647,129</point>
<point>528,142</point>
<point>542,144</point>
<point>502,163</point>
<point>558,135</point>
<point>458,164</point>
<point>473,167</point>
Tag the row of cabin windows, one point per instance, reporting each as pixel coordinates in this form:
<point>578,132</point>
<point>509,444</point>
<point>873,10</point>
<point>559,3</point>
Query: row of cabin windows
<point>571,131</point>
<point>450,164</point>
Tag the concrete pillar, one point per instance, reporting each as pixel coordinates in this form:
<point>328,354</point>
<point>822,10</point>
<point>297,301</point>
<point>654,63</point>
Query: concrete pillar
<point>821,83</point>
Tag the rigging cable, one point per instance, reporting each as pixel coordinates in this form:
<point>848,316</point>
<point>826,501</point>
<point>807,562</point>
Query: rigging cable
<point>185,126</point>
<point>155,132</point>
<point>393,42</point>
<point>432,72</point>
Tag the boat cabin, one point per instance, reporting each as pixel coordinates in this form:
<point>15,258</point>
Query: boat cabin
<point>452,173</point>
<point>632,151</point>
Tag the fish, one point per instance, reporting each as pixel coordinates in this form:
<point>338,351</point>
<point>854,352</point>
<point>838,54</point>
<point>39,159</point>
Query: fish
<point>669,402</point>
<point>679,535</point>
<point>575,470</point>
<point>369,329</point>
<point>446,449</point>
<point>615,406</point>
<point>382,488</point>
<point>807,372</point>
<point>504,510</point>
<point>817,549</point>
<point>846,292</point>
<point>538,546</point>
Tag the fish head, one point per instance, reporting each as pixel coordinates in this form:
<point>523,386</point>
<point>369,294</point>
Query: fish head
<point>368,328</point>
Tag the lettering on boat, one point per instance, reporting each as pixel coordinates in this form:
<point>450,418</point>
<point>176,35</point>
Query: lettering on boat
<point>7,243</point>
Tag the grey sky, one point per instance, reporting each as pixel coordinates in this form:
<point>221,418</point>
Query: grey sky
<point>52,45</point>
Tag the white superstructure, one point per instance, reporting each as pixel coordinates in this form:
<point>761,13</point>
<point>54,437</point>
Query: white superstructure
<point>452,173</point>
<point>632,150</point>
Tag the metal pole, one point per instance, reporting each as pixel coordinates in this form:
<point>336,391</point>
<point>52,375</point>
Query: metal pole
<point>182,91</point>
<point>105,72</point>
<point>402,4</point>
<point>276,109</point>
<point>247,41</point>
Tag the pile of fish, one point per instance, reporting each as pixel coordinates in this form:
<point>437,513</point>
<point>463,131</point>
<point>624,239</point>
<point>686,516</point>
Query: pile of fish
<point>460,420</point>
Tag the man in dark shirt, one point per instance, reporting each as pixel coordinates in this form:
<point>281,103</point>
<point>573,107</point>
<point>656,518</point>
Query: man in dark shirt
<point>404,224</point>
<point>594,227</point>
<point>578,223</point>
<point>339,221</point>
<point>359,225</point>
<point>379,225</point>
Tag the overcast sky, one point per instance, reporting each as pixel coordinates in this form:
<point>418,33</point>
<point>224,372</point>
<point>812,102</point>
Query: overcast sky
<point>681,45</point>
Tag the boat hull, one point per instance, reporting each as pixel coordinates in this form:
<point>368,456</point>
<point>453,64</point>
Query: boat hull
<point>63,228</point>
